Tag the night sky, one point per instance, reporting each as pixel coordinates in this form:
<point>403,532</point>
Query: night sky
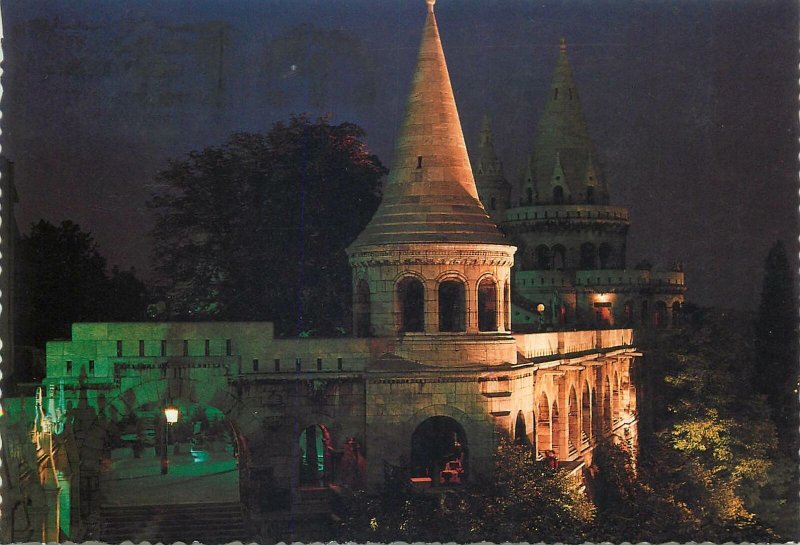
<point>692,105</point>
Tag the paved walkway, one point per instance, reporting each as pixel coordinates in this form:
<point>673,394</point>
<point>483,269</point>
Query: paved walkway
<point>138,481</point>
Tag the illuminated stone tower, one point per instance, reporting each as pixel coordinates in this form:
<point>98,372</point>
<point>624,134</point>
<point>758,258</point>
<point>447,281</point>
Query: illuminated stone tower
<point>431,269</point>
<point>570,268</point>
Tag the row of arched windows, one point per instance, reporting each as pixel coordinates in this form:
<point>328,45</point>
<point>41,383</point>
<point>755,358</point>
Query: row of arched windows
<point>452,305</point>
<point>591,257</point>
<point>583,421</point>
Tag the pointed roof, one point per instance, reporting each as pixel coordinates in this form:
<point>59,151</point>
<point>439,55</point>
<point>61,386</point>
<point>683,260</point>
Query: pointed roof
<point>562,135</point>
<point>487,161</point>
<point>430,195</point>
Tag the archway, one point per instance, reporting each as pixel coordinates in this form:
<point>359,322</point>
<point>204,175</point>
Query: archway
<point>607,404</point>
<point>487,305</point>
<point>573,419</point>
<point>452,306</point>
<point>586,415</point>
<point>520,431</point>
<point>411,303</point>
<point>588,256</point>
<point>439,450</point>
<point>542,257</point>
<point>605,253</point>
<point>544,437</point>
<point>316,465</point>
<point>559,257</point>
<point>615,400</point>
<point>556,426</point>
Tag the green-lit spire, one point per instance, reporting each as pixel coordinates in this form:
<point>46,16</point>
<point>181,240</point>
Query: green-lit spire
<point>562,143</point>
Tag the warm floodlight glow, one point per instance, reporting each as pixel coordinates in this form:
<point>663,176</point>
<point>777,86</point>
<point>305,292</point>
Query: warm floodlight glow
<point>171,414</point>
<point>540,308</point>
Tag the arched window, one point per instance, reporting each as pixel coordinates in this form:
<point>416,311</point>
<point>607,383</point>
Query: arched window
<point>627,311</point>
<point>573,419</point>
<point>590,195</point>
<point>542,257</point>
<point>529,193</point>
<point>487,305</point>
<point>586,414</point>
<point>558,194</point>
<point>544,438</point>
<point>559,254</point>
<point>607,404</point>
<point>588,256</point>
<point>660,314</point>
<point>606,255</point>
<point>361,310</point>
<point>452,306</point>
<point>520,431</point>
<point>555,422</point>
<point>411,299</point>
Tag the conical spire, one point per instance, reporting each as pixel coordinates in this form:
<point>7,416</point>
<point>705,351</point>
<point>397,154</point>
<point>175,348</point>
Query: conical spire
<point>430,195</point>
<point>562,134</point>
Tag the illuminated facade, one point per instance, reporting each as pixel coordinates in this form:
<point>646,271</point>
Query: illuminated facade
<point>431,380</point>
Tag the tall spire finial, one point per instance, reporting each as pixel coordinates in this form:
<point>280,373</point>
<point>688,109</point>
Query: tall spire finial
<point>563,45</point>
<point>430,4</point>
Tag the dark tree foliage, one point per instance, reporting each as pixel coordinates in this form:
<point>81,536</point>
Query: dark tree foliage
<point>524,500</point>
<point>255,229</point>
<point>712,450</point>
<point>62,279</point>
<point>776,343</point>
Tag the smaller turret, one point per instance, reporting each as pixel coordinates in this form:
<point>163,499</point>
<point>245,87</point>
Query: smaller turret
<point>493,188</point>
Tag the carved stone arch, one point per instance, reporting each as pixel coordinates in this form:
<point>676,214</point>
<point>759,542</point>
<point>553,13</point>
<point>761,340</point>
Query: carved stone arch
<point>452,299</point>
<point>573,421</point>
<point>544,431</point>
<point>409,301</point>
<point>489,302</point>
<point>615,397</point>
<point>587,411</point>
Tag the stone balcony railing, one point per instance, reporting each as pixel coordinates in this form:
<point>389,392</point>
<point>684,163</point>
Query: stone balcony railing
<point>577,212</point>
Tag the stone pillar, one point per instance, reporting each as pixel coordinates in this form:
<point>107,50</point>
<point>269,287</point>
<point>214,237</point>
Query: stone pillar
<point>471,301</point>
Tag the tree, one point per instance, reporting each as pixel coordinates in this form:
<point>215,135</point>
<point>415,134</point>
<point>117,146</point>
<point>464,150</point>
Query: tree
<point>60,271</point>
<point>523,500</point>
<point>256,228</point>
<point>776,344</point>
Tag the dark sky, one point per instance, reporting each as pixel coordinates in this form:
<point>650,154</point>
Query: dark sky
<point>692,105</point>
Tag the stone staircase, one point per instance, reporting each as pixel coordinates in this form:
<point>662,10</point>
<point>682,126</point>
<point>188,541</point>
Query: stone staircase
<point>208,523</point>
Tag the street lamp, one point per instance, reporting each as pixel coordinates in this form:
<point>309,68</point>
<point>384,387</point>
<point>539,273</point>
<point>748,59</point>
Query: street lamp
<point>170,417</point>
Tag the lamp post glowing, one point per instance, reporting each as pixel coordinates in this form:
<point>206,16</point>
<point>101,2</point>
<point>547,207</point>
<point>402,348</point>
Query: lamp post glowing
<point>171,414</point>
<point>540,310</point>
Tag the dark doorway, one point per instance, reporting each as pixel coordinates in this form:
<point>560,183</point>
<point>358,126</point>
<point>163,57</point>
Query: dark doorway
<point>439,451</point>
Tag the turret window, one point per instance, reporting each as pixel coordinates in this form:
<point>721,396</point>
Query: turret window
<point>558,193</point>
<point>529,192</point>
<point>487,305</point>
<point>419,161</point>
<point>590,195</point>
<point>452,306</point>
<point>588,256</point>
<point>411,303</point>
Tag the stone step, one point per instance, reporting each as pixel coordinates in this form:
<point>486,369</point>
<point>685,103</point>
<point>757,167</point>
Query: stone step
<point>209,523</point>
